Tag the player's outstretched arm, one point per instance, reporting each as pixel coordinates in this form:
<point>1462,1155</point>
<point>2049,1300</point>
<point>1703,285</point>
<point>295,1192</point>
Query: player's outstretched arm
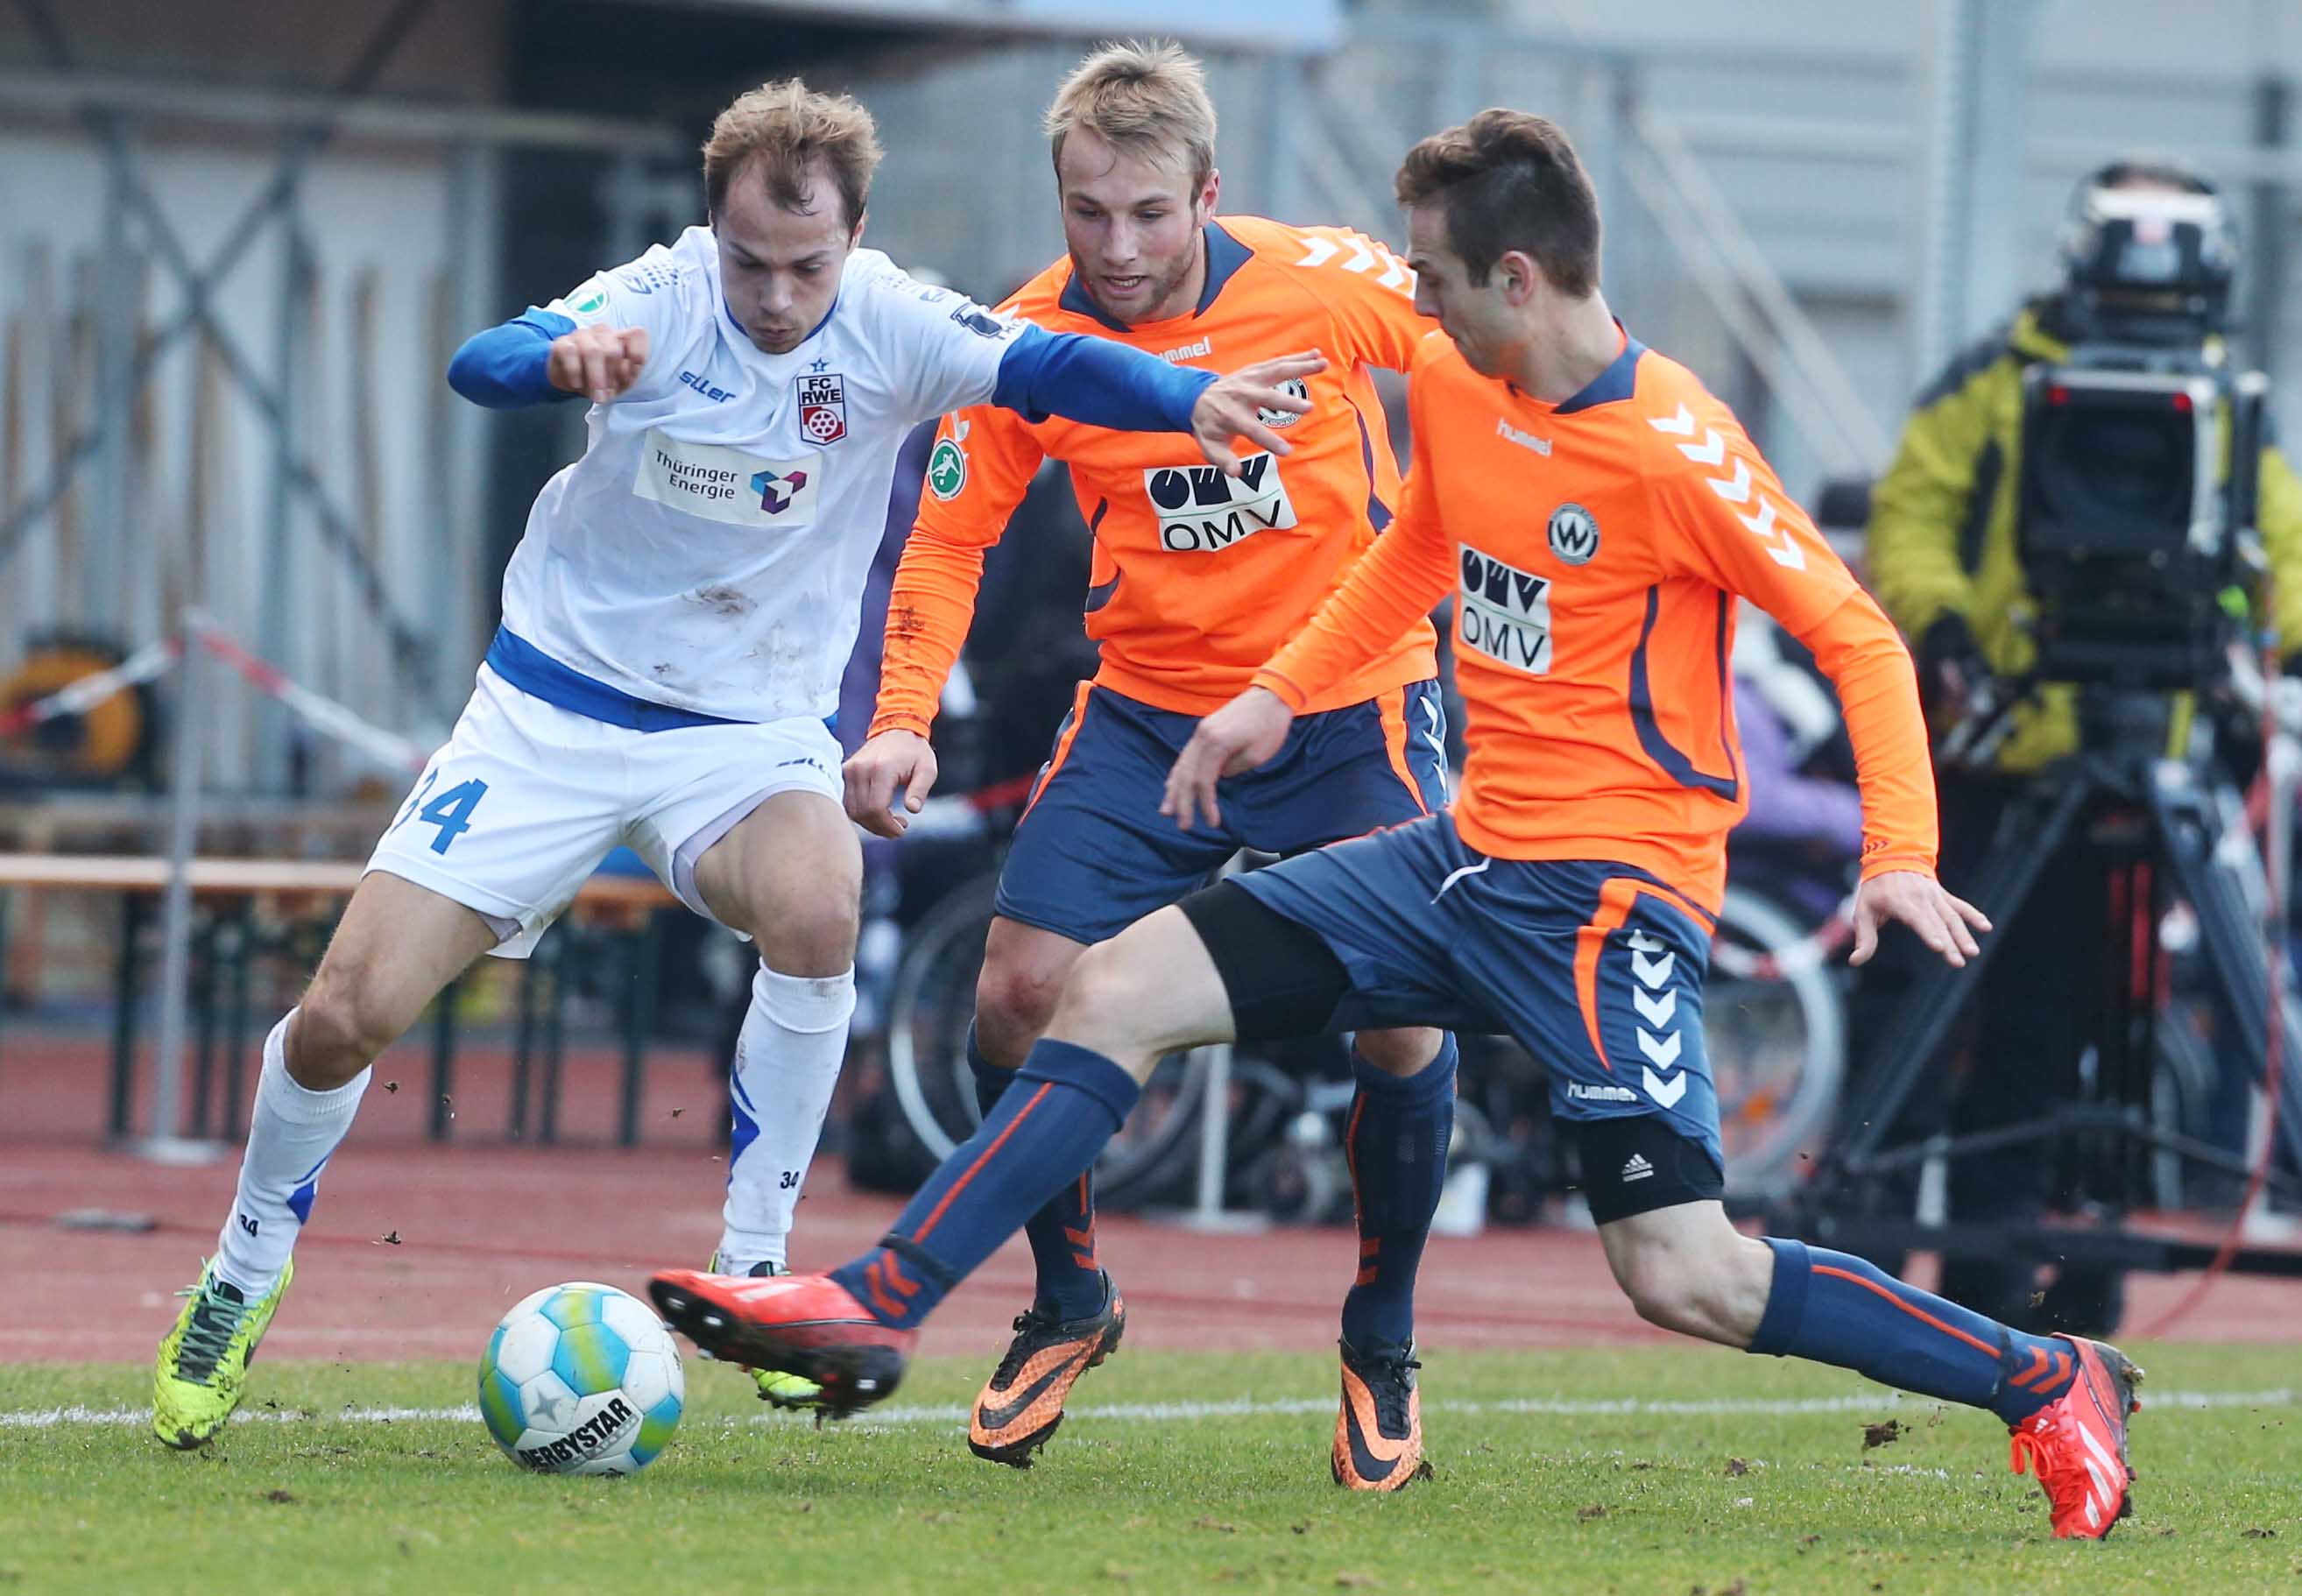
<point>1107,384</point>
<point>1240,735</point>
<point>1946,924</point>
<point>887,762</point>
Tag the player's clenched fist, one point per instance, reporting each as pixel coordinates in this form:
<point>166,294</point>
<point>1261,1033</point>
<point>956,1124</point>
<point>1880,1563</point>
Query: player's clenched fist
<point>1240,735</point>
<point>599,361</point>
<point>891,760</point>
<point>1231,406</point>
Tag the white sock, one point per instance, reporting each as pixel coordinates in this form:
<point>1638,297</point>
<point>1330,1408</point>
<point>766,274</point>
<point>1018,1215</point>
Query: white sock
<point>787,1060</point>
<point>292,1132</point>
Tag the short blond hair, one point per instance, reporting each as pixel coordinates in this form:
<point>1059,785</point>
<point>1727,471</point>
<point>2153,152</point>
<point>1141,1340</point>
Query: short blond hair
<point>1144,98</point>
<point>788,128</point>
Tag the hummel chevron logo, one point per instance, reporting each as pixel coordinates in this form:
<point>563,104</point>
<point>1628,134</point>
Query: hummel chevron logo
<point>1666,1092</point>
<point>1681,425</point>
<point>1734,490</point>
<point>1710,451</point>
<point>1784,553</point>
<point>1654,973</point>
<point>1364,255</point>
<point>1662,1051</point>
<point>1655,1011</point>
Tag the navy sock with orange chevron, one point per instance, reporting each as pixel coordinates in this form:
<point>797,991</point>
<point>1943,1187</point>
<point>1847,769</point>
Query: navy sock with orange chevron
<point>1045,1131</point>
<point>1062,1234</point>
<point>1396,1142</point>
<point>1836,1308</point>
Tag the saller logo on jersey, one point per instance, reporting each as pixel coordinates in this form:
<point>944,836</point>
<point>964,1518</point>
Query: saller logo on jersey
<point>726,484</point>
<point>1200,508</point>
<point>1506,613</point>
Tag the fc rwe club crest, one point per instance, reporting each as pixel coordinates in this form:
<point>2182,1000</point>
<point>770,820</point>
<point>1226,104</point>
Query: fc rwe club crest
<point>823,407</point>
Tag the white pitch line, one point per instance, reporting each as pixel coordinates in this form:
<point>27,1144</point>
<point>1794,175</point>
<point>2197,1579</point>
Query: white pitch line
<point>51,1418</point>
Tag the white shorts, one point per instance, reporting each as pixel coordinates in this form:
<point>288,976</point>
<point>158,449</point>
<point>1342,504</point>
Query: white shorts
<point>519,806</point>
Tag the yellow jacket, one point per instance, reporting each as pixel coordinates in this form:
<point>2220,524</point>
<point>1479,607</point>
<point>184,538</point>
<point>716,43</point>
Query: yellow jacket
<point>1941,539</point>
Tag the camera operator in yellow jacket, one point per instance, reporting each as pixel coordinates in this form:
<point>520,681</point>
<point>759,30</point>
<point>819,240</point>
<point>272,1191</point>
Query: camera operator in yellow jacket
<point>2149,252</point>
<point>1942,556</point>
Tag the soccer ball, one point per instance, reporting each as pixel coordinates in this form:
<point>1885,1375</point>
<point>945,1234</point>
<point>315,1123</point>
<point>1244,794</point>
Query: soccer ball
<point>581,1379</point>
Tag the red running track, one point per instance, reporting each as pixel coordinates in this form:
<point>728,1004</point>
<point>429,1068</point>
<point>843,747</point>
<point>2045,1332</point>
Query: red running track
<point>480,1224</point>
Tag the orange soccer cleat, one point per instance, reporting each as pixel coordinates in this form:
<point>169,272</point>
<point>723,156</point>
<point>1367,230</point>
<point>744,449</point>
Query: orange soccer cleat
<point>1379,1433</point>
<point>2076,1445</point>
<point>807,1324</point>
<point>1022,1403</point>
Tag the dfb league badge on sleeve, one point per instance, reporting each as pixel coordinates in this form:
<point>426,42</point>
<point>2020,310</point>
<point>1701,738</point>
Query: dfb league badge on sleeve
<point>823,407</point>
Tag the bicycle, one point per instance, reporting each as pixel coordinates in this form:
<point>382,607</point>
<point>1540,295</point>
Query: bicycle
<point>1774,1028</point>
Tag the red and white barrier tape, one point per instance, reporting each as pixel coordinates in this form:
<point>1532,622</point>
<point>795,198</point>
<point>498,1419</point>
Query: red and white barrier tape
<point>76,698</point>
<point>157,658</point>
<point>322,714</point>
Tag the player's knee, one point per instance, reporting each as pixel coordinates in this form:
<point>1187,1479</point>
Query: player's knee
<point>1110,1000</point>
<point>1664,1292</point>
<point>816,938</point>
<point>1014,999</point>
<point>342,1025</point>
<point>1704,1290</point>
<point>1400,1053</point>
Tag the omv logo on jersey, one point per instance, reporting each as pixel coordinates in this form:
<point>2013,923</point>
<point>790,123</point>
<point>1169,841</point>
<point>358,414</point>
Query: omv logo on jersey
<point>727,484</point>
<point>1505,614</point>
<point>1199,509</point>
<point>778,489</point>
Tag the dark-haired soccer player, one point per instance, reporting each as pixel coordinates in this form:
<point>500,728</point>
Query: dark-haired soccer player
<point>1597,514</point>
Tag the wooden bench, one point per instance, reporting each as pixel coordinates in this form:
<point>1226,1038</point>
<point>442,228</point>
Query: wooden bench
<point>619,908</point>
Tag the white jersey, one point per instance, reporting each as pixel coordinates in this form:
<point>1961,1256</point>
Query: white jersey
<point>709,551</point>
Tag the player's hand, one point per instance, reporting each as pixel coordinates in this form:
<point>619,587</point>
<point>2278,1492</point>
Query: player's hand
<point>1228,408</point>
<point>1943,923</point>
<point>891,760</point>
<point>597,362</point>
<point>1239,736</point>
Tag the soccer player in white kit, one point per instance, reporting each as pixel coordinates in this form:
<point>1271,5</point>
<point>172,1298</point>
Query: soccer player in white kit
<point>675,624</point>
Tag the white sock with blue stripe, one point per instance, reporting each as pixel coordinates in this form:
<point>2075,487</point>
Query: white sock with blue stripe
<point>787,1060</point>
<point>292,1132</point>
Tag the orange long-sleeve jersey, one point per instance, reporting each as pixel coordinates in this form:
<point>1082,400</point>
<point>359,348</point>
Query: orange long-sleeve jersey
<point>1596,547</point>
<point>1195,577</point>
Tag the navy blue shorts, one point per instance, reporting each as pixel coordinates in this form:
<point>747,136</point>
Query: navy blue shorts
<point>1595,968</point>
<point>1093,854</point>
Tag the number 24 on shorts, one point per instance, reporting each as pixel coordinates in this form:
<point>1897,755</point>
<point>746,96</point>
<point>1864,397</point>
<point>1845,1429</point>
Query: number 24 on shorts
<point>450,811</point>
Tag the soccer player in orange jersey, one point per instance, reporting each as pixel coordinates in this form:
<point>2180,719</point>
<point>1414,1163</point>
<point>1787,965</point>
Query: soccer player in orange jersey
<point>1196,578</point>
<point>1597,513</point>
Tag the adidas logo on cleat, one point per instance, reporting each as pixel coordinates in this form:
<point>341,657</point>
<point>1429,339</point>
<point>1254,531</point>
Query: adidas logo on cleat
<point>1637,1168</point>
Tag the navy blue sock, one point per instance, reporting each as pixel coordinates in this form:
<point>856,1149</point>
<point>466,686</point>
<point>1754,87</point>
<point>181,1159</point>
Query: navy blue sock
<point>1837,1309</point>
<point>1395,1141</point>
<point>1066,1103</point>
<point>1062,1234</point>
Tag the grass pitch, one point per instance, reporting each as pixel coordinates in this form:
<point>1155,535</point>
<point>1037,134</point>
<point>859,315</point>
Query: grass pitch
<point>1175,1472</point>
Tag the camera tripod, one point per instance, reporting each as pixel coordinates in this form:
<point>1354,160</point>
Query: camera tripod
<point>2171,815</point>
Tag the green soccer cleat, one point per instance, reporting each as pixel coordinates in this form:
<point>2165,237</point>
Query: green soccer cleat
<point>196,1380</point>
<point>791,1392</point>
